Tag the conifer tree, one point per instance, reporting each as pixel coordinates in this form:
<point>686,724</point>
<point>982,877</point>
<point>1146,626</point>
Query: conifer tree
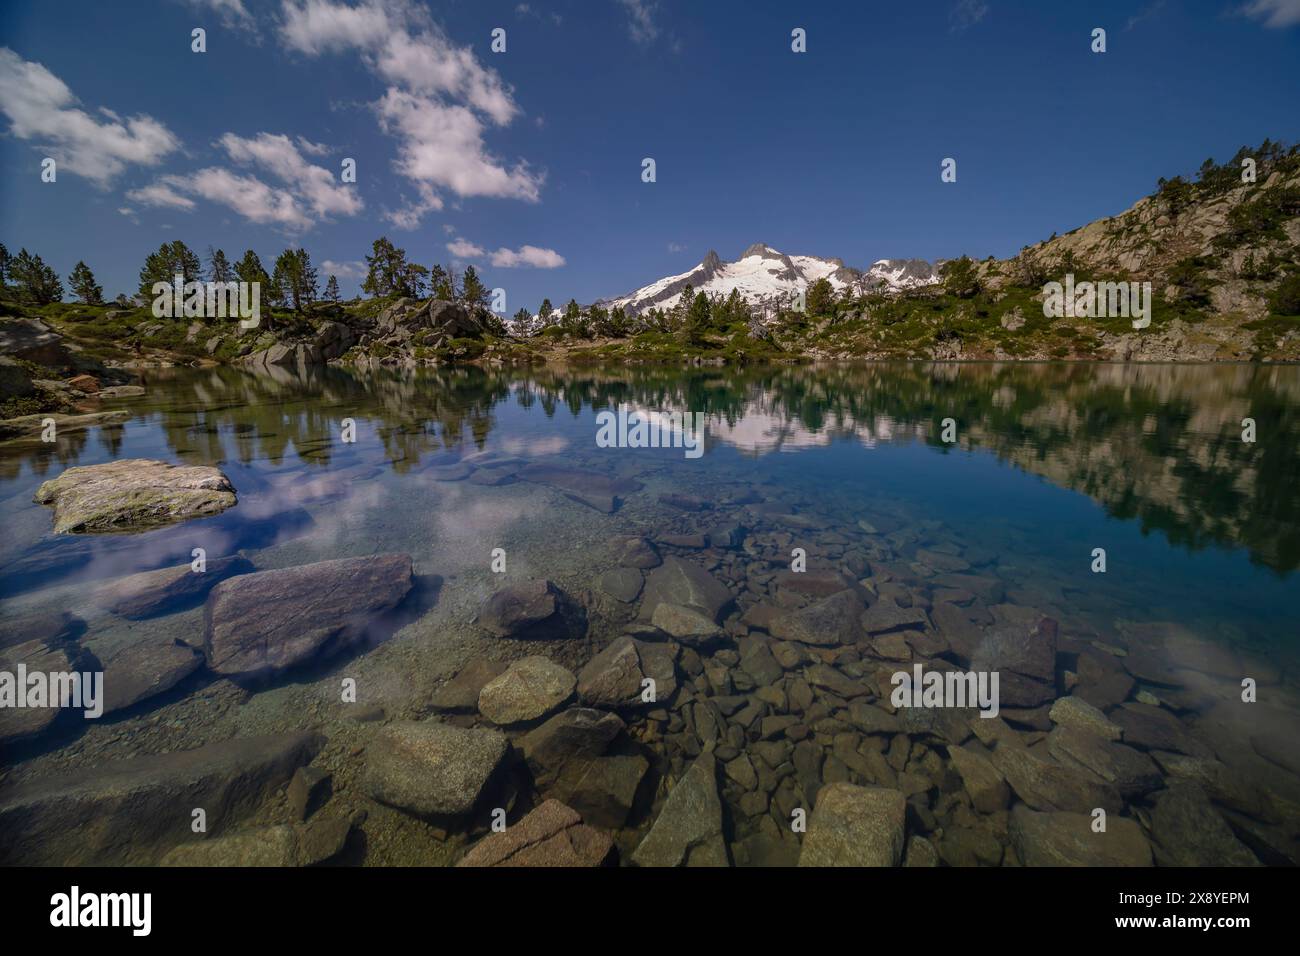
<point>84,286</point>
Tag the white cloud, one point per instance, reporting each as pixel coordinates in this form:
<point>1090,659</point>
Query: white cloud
<point>641,25</point>
<point>312,149</point>
<point>532,256</point>
<point>438,101</point>
<point>464,249</point>
<point>353,269</point>
<point>316,186</point>
<point>307,193</point>
<point>965,14</point>
<point>232,13</point>
<point>1276,14</point>
<point>247,195</point>
<point>676,247</point>
<point>442,145</point>
<point>161,195</point>
<point>40,107</point>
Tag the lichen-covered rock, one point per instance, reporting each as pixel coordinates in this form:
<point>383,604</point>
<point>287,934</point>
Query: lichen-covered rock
<point>133,495</point>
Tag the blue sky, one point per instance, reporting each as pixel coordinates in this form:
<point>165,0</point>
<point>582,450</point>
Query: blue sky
<point>528,162</point>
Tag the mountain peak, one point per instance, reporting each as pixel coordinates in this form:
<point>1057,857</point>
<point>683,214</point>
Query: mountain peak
<point>757,249</point>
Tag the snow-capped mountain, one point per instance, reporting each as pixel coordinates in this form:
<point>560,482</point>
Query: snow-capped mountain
<point>765,276</point>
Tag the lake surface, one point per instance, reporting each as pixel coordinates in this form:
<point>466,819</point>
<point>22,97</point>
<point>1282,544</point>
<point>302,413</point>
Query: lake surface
<point>1200,531</point>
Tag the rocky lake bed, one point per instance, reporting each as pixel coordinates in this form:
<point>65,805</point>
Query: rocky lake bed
<point>473,637</point>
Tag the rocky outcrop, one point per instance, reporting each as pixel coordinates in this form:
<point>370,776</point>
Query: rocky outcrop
<point>264,623</point>
<point>132,495</point>
<point>130,812</point>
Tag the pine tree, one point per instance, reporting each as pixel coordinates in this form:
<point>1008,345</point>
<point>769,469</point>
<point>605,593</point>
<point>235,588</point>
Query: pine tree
<point>294,279</point>
<point>438,282</point>
<point>698,315</point>
<point>84,286</point>
<point>5,260</point>
<point>522,321</point>
<point>473,292</point>
<point>389,273</point>
<point>249,269</point>
<point>171,259</point>
<point>219,269</point>
<point>544,313</point>
<point>820,299</point>
<point>34,281</point>
<point>332,290</point>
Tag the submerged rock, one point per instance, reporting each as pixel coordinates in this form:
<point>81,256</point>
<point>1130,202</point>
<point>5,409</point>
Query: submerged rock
<point>17,723</point>
<point>622,584</point>
<point>280,845</point>
<point>572,737</point>
<point>145,668</point>
<point>615,676</point>
<point>132,811</point>
<point>269,621</point>
<point>685,624</point>
<point>1188,831</point>
<point>1078,713</point>
<point>151,593</point>
<point>462,691</point>
<point>551,835</point>
<point>430,768</point>
<point>832,620</point>
<point>855,826</point>
<point>688,830</point>
<point>133,495</point>
<point>1067,839</point>
<point>533,610</point>
<point>686,585</point>
<point>987,788</point>
<point>529,689</point>
<point>1044,784</point>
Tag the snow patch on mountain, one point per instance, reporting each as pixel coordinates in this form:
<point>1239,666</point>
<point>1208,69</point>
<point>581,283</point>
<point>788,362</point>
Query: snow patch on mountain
<point>766,277</point>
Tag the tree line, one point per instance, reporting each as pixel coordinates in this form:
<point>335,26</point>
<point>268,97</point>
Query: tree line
<point>292,284</point>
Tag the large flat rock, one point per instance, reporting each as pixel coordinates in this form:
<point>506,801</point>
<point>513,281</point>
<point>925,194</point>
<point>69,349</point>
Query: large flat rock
<point>266,622</point>
<point>855,826</point>
<point>130,812</point>
<point>134,494</point>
